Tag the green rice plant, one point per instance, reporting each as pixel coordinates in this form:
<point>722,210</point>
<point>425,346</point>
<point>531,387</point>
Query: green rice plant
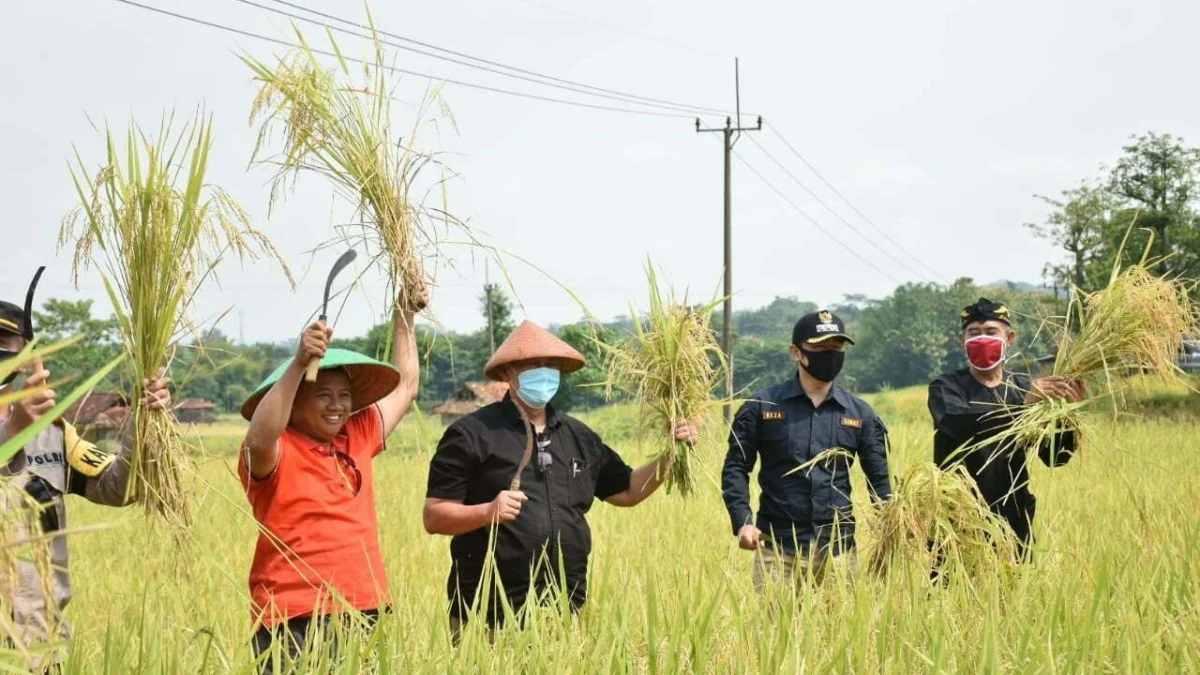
<point>1113,586</point>
<point>156,230</point>
<point>670,365</point>
<point>937,521</point>
<point>340,127</point>
<point>20,543</point>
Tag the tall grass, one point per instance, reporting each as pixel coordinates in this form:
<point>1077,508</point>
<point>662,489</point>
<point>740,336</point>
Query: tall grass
<point>156,230</point>
<point>1113,587</point>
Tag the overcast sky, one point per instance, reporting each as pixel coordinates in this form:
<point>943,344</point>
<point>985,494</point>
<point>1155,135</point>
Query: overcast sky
<point>938,120</point>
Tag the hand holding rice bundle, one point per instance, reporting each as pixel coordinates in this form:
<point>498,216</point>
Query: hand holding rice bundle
<point>342,130</point>
<point>1134,325</point>
<point>670,365</point>
<point>155,229</point>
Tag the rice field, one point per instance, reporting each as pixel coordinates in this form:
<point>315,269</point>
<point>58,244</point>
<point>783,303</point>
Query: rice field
<point>1113,589</point>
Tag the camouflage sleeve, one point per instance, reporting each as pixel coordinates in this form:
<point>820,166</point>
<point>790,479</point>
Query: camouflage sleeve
<point>101,475</point>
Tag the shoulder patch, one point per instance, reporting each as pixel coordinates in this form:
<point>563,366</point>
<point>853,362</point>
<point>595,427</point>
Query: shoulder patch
<point>852,422</point>
<point>772,415</point>
<point>82,456</point>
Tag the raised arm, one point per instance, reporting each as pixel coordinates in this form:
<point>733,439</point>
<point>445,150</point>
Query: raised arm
<point>270,419</point>
<point>396,405</point>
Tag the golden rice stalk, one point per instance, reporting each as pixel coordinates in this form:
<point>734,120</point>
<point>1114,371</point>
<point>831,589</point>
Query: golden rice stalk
<point>670,365</point>
<point>155,230</point>
<point>342,129</point>
<point>937,521</point>
<point>1134,325</point>
<point>21,546</point>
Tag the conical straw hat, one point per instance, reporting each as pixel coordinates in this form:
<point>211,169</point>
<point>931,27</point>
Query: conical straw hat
<point>530,342</point>
<point>370,380</point>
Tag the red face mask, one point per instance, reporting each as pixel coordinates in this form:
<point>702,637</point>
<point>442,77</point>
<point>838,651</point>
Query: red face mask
<point>986,352</point>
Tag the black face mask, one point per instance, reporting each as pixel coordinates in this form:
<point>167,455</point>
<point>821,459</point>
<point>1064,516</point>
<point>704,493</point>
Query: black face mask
<point>824,366</point>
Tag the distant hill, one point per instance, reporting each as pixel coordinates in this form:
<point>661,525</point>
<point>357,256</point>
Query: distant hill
<point>1018,286</point>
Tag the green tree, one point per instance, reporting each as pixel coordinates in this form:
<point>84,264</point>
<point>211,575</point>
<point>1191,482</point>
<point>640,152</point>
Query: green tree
<point>772,322</point>
<point>100,342</point>
<point>760,363</point>
<point>1157,175</point>
<point>584,389</point>
<point>1078,224</point>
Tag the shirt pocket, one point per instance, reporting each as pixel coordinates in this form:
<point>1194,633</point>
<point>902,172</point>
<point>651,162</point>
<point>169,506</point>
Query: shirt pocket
<point>847,438</point>
<point>775,438</point>
<point>581,482</point>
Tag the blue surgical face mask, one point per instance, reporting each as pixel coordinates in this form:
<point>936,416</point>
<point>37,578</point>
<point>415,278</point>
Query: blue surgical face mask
<point>538,386</point>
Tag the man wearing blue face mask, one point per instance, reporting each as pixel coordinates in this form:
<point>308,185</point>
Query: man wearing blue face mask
<point>523,477</point>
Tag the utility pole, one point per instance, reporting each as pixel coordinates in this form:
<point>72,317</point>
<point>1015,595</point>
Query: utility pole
<point>487,294</point>
<point>731,132</point>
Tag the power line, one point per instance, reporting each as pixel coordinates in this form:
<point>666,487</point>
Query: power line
<point>839,216</point>
<point>810,219</point>
<point>394,69</point>
<point>483,64</point>
<point>628,31</point>
<point>851,204</point>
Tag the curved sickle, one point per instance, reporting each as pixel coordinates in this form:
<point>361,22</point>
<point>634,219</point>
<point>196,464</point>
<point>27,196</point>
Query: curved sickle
<point>27,329</point>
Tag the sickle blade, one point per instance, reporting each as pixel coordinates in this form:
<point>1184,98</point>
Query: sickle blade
<point>27,329</point>
<point>346,258</point>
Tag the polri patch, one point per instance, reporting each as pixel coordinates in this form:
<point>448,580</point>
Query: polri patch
<point>852,422</point>
<point>772,415</point>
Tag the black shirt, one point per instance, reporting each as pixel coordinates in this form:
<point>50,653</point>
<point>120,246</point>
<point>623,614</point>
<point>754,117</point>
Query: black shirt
<point>812,506</point>
<point>966,412</point>
<point>476,460</point>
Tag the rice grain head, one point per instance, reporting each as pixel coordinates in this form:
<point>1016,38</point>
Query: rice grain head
<point>155,231</point>
<point>670,365</point>
<point>335,125</point>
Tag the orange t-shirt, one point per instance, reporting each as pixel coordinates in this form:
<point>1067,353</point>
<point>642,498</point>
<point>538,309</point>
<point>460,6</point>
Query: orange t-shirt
<point>318,542</point>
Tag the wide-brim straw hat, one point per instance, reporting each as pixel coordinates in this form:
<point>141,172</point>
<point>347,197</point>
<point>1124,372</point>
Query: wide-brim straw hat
<point>531,342</point>
<point>370,380</point>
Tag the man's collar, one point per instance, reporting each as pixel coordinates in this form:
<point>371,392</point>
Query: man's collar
<point>307,442</point>
<point>513,416</point>
<point>793,389</point>
<point>841,396</point>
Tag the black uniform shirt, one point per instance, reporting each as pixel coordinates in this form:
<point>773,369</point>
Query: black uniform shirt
<point>476,460</point>
<point>800,508</point>
<point>966,412</point>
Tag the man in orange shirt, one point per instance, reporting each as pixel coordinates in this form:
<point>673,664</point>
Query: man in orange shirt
<point>306,465</point>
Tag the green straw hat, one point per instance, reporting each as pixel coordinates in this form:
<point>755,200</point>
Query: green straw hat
<point>370,380</point>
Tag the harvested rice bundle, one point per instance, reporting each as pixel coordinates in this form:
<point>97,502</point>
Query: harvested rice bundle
<point>1134,325</point>
<point>937,521</point>
<point>156,230</point>
<point>670,365</point>
<point>342,130</point>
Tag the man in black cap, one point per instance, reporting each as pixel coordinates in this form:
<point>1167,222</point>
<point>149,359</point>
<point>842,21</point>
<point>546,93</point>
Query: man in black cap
<point>808,431</point>
<point>973,404</point>
<point>56,462</point>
